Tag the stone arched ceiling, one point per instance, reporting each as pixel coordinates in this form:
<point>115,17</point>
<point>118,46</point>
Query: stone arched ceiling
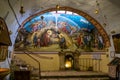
<point>109,8</point>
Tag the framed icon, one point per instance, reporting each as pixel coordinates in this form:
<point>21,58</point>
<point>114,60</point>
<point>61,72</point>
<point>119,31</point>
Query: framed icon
<point>116,42</point>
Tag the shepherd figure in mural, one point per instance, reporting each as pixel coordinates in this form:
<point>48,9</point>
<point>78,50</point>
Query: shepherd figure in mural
<point>80,40</point>
<point>38,42</point>
<point>100,42</point>
<point>62,42</point>
<point>35,40</point>
<point>45,39</point>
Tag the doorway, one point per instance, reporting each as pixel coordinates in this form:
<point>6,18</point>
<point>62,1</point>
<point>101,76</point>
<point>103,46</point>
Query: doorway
<point>69,62</point>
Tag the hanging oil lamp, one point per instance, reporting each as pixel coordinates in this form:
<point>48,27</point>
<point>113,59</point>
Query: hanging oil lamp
<point>22,10</point>
<point>96,11</point>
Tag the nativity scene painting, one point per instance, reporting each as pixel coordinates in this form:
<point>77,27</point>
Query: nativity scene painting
<point>59,31</point>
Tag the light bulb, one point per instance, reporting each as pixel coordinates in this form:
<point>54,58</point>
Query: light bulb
<point>96,11</point>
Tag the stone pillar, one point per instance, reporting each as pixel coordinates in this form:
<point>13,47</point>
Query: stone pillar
<point>76,60</point>
<point>62,61</point>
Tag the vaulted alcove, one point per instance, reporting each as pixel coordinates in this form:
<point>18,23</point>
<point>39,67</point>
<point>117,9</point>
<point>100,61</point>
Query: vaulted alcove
<point>66,33</point>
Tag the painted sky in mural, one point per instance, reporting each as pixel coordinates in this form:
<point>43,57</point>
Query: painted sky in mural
<point>59,31</point>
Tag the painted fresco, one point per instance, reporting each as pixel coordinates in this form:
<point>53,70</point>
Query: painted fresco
<point>55,32</point>
<point>116,41</point>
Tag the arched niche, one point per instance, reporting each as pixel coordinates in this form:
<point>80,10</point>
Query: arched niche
<point>87,16</point>
<point>69,61</point>
<point>72,57</point>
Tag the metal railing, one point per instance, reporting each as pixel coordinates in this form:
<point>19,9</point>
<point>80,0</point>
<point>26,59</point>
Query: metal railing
<point>24,50</point>
<point>36,61</point>
<point>27,53</point>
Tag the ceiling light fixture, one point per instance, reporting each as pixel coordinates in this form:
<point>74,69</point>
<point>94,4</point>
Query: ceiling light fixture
<point>98,8</point>
<point>96,11</point>
<point>57,8</point>
<point>22,8</point>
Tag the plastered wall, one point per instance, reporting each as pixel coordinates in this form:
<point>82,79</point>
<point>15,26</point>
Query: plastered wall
<point>50,62</point>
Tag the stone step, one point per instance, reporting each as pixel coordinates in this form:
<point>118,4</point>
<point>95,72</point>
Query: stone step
<point>72,79</point>
<point>71,75</point>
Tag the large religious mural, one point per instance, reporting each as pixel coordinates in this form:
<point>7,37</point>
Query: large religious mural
<point>59,31</point>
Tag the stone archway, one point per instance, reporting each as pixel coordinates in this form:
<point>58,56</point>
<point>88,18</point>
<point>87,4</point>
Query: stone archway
<point>87,16</point>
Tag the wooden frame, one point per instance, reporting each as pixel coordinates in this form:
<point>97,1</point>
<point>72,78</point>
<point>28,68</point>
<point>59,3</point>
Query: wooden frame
<point>3,52</point>
<point>5,40</point>
<point>116,42</point>
<point>4,33</point>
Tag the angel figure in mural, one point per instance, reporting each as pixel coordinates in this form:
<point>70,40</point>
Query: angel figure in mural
<point>43,24</point>
<point>40,25</point>
<point>51,24</point>
<point>34,27</point>
<point>64,27</point>
<point>73,29</point>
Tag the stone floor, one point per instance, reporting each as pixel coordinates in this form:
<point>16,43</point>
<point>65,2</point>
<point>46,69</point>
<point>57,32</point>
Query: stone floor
<point>75,79</point>
<point>73,75</point>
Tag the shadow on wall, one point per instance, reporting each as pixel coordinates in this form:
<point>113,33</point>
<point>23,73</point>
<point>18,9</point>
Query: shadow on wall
<point>115,2</point>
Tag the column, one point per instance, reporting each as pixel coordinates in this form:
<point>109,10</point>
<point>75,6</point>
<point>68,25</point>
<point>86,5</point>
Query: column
<point>62,61</point>
<point>76,60</point>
